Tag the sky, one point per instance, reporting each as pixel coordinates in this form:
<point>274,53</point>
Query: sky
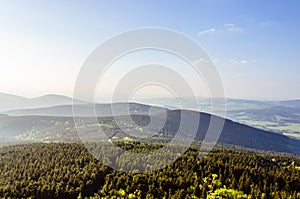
<point>254,44</point>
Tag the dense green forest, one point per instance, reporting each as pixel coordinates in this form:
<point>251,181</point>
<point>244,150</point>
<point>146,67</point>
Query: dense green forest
<point>67,170</point>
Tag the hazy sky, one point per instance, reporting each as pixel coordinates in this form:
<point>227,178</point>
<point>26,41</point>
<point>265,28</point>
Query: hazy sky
<point>254,44</point>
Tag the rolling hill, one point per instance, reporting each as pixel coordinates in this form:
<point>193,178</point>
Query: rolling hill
<point>89,110</point>
<point>53,129</point>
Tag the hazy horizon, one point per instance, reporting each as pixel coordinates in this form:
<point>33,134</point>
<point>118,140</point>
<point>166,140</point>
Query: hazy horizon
<point>107,99</point>
<point>254,49</point>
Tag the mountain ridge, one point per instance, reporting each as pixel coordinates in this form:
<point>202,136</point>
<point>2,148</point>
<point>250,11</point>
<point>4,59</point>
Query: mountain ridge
<point>10,101</point>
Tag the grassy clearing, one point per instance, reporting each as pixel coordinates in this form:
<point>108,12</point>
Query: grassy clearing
<point>292,135</point>
<point>259,123</point>
<point>288,129</point>
<point>291,127</point>
<point>280,118</point>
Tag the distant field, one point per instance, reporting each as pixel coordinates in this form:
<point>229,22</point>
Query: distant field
<point>258,123</point>
<point>288,127</point>
<point>293,135</point>
<point>280,118</point>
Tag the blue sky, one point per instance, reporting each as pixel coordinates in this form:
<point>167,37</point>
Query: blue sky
<point>254,44</point>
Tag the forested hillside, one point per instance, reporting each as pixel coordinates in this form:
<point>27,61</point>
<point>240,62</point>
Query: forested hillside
<point>62,129</point>
<point>67,170</point>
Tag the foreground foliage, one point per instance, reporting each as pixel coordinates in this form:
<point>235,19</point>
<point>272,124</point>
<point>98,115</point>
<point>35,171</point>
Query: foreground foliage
<point>67,170</point>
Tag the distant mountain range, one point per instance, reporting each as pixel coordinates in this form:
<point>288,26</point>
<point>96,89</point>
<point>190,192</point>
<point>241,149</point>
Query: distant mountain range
<point>11,102</point>
<point>231,103</point>
<point>88,110</point>
<point>54,129</point>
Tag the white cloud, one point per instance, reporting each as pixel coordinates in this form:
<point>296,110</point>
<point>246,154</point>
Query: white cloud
<point>207,31</point>
<point>201,61</point>
<point>229,25</point>
<point>244,61</point>
<point>232,27</point>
